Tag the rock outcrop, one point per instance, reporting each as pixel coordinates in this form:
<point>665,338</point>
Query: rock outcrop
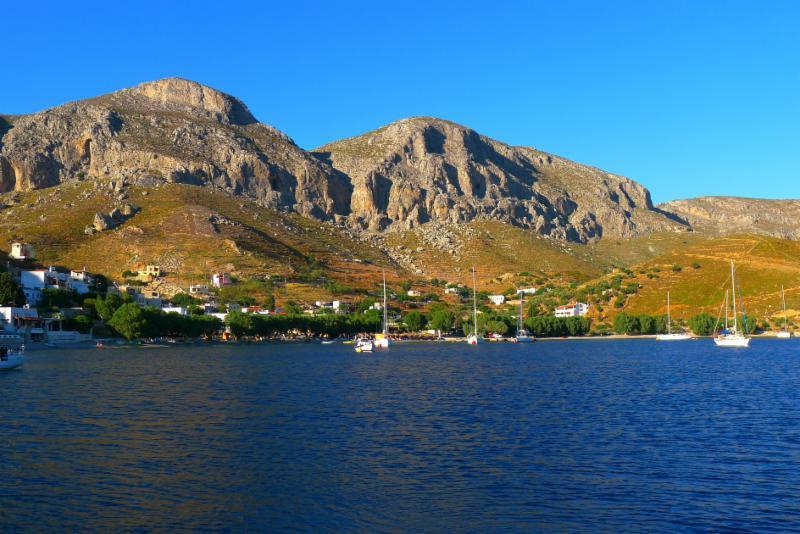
<point>170,130</point>
<point>423,169</point>
<point>728,215</point>
<point>406,174</point>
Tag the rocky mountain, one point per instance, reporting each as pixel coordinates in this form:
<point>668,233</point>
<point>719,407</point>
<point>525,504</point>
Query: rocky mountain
<point>171,130</point>
<point>425,169</point>
<point>403,175</point>
<point>728,215</point>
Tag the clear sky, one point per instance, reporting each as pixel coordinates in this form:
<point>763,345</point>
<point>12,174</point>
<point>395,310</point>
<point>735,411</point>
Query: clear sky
<point>689,98</point>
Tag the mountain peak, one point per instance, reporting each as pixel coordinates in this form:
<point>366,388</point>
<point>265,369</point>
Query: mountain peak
<point>181,93</point>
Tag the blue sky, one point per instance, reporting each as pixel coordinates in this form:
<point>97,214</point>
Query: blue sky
<point>689,98</point>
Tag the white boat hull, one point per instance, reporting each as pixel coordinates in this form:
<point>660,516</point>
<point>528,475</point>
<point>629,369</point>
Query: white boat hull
<point>523,339</point>
<point>364,345</point>
<point>783,335</point>
<point>474,340</point>
<point>673,337</point>
<point>732,341</point>
<point>12,361</point>
<point>381,343</point>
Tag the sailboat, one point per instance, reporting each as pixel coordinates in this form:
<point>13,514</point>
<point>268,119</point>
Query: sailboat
<point>474,338</point>
<point>522,335</point>
<point>382,340</point>
<point>669,336</point>
<point>732,337</point>
<point>784,334</point>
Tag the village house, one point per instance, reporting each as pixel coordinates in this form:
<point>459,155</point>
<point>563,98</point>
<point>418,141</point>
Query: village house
<point>526,291</point>
<point>336,306</point>
<point>414,293</point>
<point>21,251</point>
<point>150,272</point>
<point>180,310</point>
<point>497,300</point>
<point>220,279</point>
<point>198,290</point>
<point>576,309</point>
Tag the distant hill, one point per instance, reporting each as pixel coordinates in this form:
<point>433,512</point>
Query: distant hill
<point>731,215</point>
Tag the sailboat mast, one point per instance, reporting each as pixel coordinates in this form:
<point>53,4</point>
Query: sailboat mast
<point>474,304</point>
<point>669,318</point>
<point>385,313</point>
<point>519,314</point>
<point>785,317</point>
<point>733,290</point>
<point>726,309</point>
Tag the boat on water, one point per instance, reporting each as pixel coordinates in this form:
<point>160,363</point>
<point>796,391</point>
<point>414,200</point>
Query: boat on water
<point>784,333</point>
<point>522,335</point>
<point>730,336</point>
<point>474,338</point>
<point>364,345</point>
<point>12,351</point>
<point>670,335</point>
<point>382,340</point>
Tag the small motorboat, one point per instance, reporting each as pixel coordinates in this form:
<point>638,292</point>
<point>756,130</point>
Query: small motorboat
<point>364,345</point>
<point>12,351</point>
<point>329,341</point>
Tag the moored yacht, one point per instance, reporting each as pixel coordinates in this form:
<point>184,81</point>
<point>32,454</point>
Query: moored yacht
<point>382,340</point>
<point>522,335</point>
<point>670,335</point>
<point>732,337</point>
<point>784,333</point>
<point>474,338</point>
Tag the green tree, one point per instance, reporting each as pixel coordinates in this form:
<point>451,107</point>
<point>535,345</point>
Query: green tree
<point>702,324</point>
<point>241,324</point>
<point>10,292</point>
<point>441,318</point>
<point>130,320</point>
<point>106,307</point>
<point>182,299</point>
<point>415,321</point>
<point>627,324</point>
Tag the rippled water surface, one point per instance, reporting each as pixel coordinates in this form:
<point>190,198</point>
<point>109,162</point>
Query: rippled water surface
<point>578,435</point>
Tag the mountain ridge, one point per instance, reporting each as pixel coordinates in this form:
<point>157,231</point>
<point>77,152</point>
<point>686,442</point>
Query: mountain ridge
<point>404,174</point>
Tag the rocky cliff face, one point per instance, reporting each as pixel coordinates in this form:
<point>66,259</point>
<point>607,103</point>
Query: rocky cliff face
<point>406,174</point>
<point>726,215</point>
<point>423,169</point>
<point>170,130</point>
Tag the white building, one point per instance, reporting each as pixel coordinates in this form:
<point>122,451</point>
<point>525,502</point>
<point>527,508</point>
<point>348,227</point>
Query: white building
<point>414,293</point>
<point>497,300</point>
<point>576,309</point>
<point>21,251</point>
<point>180,310</point>
<point>526,291</point>
<point>220,279</point>
<point>451,290</point>
<point>13,319</point>
<point>199,289</point>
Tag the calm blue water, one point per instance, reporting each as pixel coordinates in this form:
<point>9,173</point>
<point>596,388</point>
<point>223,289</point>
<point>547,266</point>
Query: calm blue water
<point>580,435</point>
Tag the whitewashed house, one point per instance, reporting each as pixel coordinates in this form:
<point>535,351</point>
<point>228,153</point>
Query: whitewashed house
<point>220,279</point>
<point>180,310</point>
<point>497,300</point>
<point>526,291</point>
<point>21,251</point>
<point>414,293</point>
<point>577,309</point>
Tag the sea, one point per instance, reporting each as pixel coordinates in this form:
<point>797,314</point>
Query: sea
<point>572,435</point>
